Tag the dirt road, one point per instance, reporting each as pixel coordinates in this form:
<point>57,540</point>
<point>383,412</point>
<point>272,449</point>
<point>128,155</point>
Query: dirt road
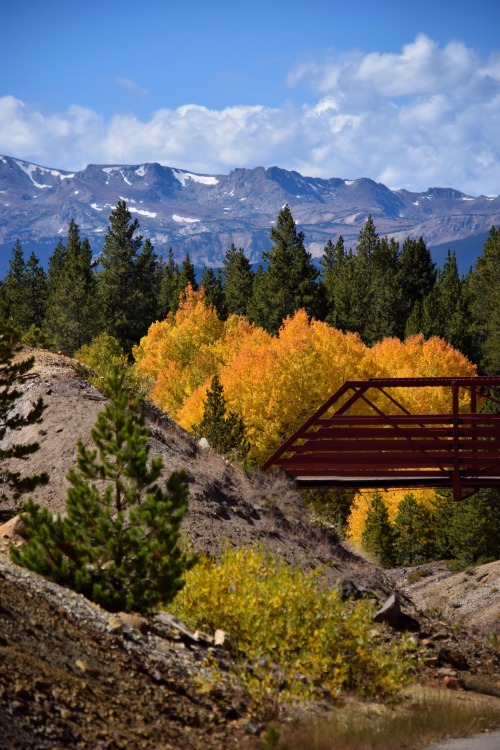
<point>485,741</point>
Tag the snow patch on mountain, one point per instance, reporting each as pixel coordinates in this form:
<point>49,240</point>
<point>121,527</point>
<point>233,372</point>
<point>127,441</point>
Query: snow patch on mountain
<point>110,170</point>
<point>184,219</point>
<point>31,169</point>
<point>203,179</point>
<point>142,212</point>
<point>61,176</point>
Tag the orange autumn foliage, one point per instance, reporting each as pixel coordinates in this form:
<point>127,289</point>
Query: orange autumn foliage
<point>416,357</point>
<point>175,353</point>
<point>274,383</point>
<point>276,386</point>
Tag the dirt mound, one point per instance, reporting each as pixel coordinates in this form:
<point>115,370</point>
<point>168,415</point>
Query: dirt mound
<point>72,675</point>
<point>470,599</point>
<point>225,506</point>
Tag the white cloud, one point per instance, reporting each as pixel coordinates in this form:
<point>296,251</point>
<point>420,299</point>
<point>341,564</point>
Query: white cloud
<point>131,86</point>
<point>425,116</point>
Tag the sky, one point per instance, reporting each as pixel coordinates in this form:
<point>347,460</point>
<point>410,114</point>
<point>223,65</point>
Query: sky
<point>405,93</point>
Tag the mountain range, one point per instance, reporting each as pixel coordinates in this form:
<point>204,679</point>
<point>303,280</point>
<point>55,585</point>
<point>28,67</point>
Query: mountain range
<point>204,214</point>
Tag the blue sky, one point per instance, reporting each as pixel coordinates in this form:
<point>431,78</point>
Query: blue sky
<point>407,93</point>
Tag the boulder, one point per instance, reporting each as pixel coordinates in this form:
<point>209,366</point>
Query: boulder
<point>136,622</point>
<point>12,528</point>
<point>453,683</point>
<point>220,637</point>
<point>390,611</point>
<point>453,657</point>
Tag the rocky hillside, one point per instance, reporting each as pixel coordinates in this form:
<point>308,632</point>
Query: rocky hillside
<point>225,504</point>
<point>203,214</point>
<point>72,675</point>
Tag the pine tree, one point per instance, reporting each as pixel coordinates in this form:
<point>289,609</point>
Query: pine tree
<point>360,284</point>
<point>187,276</point>
<point>72,313</point>
<point>446,310</point>
<point>289,283</point>
<point>118,543</point>
<point>414,321</point>
<point>4,311</point>
<point>56,264</point>
<point>414,534</point>
<point>15,289</point>
<point>148,275</point>
<point>11,375</point>
<point>469,531</point>
<point>329,262</point>
<point>238,281</point>
<point>225,434</point>
<point>213,288</point>
<point>169,287</point>
<point>128,285</point>
<point>417,277</point>
<point>378,534</point>
<point>36,291</point>
<point>485,303</point>
<point>340,290</point>
<point>385,314</point>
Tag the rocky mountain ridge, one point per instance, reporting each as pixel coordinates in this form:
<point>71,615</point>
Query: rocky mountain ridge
<point>203,214</point>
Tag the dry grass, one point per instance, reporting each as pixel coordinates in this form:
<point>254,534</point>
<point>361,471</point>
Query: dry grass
<point>425,716</point>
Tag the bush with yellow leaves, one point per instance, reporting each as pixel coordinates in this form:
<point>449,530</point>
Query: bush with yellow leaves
<point>301,639</point>
<point>102,355</point>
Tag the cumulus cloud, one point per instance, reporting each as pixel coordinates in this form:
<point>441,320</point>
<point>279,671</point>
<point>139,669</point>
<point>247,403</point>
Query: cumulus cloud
<point>423,117</point>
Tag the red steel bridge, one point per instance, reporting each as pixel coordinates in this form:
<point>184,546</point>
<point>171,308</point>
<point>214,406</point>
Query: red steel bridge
<point>365,436</point>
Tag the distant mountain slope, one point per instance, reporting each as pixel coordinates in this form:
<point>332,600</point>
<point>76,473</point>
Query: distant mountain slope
<point>203,214</point>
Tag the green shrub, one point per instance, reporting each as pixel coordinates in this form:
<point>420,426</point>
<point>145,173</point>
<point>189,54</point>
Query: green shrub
<point>301,639</point>
<point>37,338</point>
<point>104,354</point>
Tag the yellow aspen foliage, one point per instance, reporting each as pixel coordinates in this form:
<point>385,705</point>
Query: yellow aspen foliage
<point>301,638</point>
<point>392,499</point>
<point>238,335</point>
<point>277,383</point>
<point>416,357</point>
<point>175,353</point>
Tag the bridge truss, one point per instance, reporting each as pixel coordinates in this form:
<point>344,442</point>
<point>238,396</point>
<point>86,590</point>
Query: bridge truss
<point>366,436</point>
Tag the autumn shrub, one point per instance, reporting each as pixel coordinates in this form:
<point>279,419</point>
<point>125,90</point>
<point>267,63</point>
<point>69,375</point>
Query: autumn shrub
<point>102,356</point>
<point>301,639</point>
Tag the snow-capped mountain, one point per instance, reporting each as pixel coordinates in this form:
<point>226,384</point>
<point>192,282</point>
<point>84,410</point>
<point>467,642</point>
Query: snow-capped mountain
<point>203,214</point>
